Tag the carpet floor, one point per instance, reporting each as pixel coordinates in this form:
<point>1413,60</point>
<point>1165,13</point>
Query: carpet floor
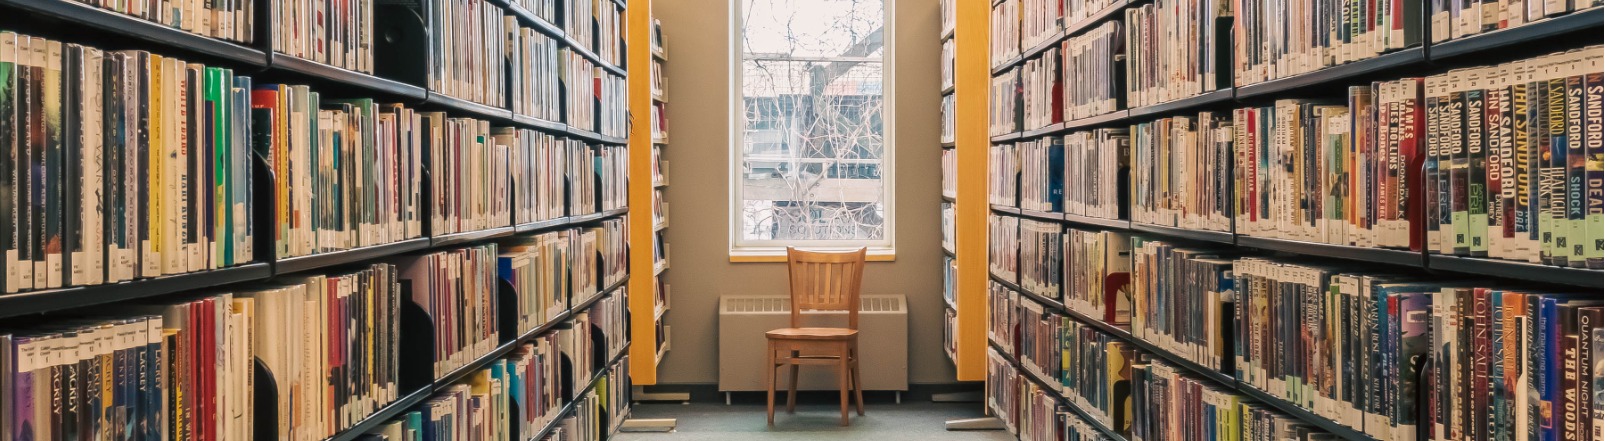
<point>911,421</point>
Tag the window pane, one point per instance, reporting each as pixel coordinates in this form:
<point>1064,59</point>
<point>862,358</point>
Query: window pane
<point>813,144</point>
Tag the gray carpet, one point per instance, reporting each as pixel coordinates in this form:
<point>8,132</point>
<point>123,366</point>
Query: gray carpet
<point>881,422</point>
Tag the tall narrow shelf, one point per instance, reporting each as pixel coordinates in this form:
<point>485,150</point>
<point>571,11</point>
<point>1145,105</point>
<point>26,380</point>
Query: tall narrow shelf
<point>401,60</point>
<point>968,21</point>
<point>1198,239</point>
<point>649,218</point>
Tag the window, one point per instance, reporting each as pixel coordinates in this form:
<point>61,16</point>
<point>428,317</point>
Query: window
<point>811,154</point>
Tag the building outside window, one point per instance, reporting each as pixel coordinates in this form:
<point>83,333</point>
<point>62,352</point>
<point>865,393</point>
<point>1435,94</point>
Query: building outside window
<point>812,157</point>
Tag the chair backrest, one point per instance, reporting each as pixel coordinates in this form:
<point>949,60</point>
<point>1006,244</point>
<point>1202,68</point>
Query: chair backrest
<point>825,282</point>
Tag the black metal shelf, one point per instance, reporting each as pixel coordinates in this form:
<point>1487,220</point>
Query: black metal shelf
<point>1042,215</point>
<point>1197,101</point>
<point>947,34</point>
<point>334,258</point>
<point>585,51</point>
<point>1575,22</point>
<point>385,414</point>
<point>1112,224</point>
<point>531,20</point>
<point>1006,137</point>
<point>1340,75</point>
<point>1004,209</point>
<point>1183,233</point>
<point>542,225</point>
<point>1096,18</point>
<point>583,304</point>
<point>948,90</point>
<point>1405,258</point>
<point>468,108</point>
<point>1006,65</point>
<point>1095,121</point>
<point>369,85</point>
<point>585,218</point>
<point>1047,130</point>
<point>946,198</point>
<point>42,301</point>
<point>588,135</point>
<point>1050,42</point>
<point>949,144</point>
<point>1301,414</point>
<point>1221,378</point>
<point>1511,269</point>
<point>114,23</point>
<point>552,127</point>
<point>469,236</point>
<point>1057,392</point>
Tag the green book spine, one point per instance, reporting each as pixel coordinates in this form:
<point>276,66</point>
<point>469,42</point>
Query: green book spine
<point>1459,167</point>
<point>1476,174</point>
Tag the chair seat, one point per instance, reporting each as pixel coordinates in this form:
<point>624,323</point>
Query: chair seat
<point>812,334</point>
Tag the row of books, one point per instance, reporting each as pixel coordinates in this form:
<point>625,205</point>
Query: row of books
<point>1348,169</point>
<point>1182,172</point>
<point>1169,283</point>
<point>468,50</point>
<point>184,370</point>
<point>1358,363</point>
<point>1177,50</point>
<point>544,9</point>
<point>332,32</point>
<point>1003,389</point>
<point>1003,107</point>
<point>534,79</point>
<point>1097,265</point>
<point>947,226</point>
<point>948,119</point>
<point>1452,19</point>
<point>537,268</point>
<point>1170,404</point>
<point>1003,179</point>
<point>609,30</point>
<point>470,178</point>
<point>348,172</point>
<point>542,167</point>
<point>597,413</point>
<point>950,166</point>
<point>1101,158</point>
<point>1512,169</point>
<point>1041,97</point>
<point>1041,256</point>
<point>126,165</point>
<point>601,257</point>
<point>658,165</point>
<point>1003,303</point>
<point>1338,32</point>
<point>1005,32</point>
<point>523,387</point>
<point>1003,246</point>
<point>949,58</point>
<point>1039,21</point>
<point>1119,387</point>
<point>607,317</point>
<point>457,289</point>
<point>232,20</point>
<point>1078,78</point>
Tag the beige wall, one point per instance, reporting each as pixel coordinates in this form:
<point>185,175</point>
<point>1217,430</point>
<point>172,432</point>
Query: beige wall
<point>699,38</point>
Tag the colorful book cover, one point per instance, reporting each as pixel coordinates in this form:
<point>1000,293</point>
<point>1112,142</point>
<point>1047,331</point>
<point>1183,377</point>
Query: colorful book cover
<point>1477,171</point>
<point>1559,148</point>
<point>1522,159</point>
<point>1459,169</point>
<point>1594,141</point>
<point>1576,172</point>
<point>8,170</point>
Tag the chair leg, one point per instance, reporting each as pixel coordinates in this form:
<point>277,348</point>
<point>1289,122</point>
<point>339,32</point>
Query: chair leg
<point>791,394</point>
<point>769,382</point>
<point>841,377</point>
<point>858,382</point>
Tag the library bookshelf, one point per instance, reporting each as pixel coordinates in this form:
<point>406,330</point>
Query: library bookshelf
<point>400,67</point>
<point>1027,210</point>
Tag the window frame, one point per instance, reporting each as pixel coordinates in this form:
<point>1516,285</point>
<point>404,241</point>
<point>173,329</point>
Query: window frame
<point>743,250</point>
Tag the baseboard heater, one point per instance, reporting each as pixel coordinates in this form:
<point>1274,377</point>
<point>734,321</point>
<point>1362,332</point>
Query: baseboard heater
<point>882,334</point>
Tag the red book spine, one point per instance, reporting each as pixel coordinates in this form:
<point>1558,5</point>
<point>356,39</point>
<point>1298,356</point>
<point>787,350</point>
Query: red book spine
<point>1481,355</point>
<point>1414,190</point>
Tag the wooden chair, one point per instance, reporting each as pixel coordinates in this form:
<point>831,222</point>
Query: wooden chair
<point>819,282</point>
